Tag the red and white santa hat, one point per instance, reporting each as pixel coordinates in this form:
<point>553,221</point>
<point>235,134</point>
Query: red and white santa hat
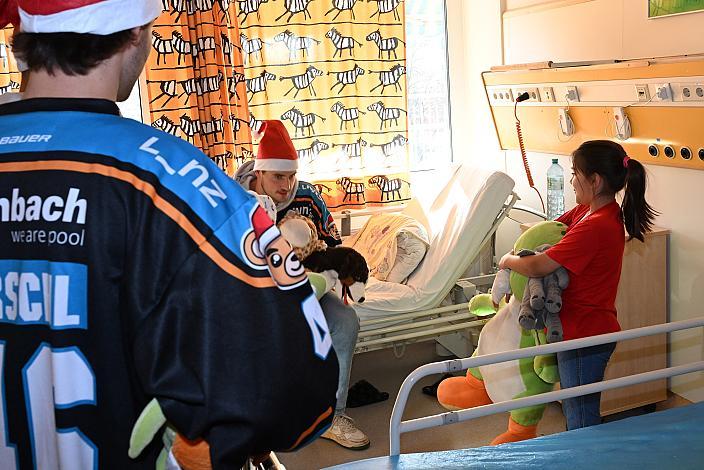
<point>276,151</point>
<point>101,17</point>
<point>265,229</point>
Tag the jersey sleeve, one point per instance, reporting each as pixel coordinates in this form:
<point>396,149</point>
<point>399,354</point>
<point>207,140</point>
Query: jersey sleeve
<point>327,229</point>
<point>576,250</point>
<point>236,359</point>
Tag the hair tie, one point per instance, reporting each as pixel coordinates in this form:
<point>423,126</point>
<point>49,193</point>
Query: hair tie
<point>625,161</point>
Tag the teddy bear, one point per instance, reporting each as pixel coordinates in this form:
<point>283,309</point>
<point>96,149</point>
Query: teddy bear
<point>512,379</point>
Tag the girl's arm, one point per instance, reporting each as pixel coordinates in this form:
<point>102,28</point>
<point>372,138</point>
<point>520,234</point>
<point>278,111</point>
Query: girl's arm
<point>537,265</point>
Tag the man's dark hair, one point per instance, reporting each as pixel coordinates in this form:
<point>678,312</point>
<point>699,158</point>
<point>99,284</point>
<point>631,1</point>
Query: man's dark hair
<point>73,53</point>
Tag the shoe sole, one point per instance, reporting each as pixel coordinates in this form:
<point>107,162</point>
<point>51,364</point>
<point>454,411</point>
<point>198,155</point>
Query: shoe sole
<point>361,447</point>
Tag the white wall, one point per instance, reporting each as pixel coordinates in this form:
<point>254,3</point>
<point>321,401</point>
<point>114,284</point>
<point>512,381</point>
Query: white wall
<point>563,31</point>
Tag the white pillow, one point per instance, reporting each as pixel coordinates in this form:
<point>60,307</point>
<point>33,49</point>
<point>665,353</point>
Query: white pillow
<point>392,244</point>
<point>410,250</point>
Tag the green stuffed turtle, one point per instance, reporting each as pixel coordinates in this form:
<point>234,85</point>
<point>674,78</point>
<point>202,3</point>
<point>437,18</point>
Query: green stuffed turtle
<point>513,379</point>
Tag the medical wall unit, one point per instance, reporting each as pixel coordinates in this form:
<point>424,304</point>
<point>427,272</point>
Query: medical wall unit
<point>653,107</point>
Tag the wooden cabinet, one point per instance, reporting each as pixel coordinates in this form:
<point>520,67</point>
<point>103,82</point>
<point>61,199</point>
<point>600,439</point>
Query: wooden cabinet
<point>642,300</point>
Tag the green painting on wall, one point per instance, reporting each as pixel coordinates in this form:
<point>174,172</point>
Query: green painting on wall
<point>658,8</point>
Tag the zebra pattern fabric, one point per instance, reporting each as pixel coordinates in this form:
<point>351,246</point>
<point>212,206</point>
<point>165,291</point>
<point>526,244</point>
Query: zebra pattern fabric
<point>10,77</point>
<point>196,84</point>
<point>340,90</point>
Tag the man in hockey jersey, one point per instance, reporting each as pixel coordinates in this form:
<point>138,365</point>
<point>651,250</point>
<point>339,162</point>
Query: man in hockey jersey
<point>122,272</point>
<point>273,173</point>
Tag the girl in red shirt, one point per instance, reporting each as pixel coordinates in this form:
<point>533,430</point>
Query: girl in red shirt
<point>591,251</point>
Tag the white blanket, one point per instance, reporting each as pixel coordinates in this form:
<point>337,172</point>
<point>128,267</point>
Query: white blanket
<point>457,217</point>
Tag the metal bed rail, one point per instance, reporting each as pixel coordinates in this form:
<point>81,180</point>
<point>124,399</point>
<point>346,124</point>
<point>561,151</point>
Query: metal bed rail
<point>397,427</point>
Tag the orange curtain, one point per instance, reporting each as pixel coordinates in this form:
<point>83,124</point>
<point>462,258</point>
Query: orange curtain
<point>334,72</point>
<point>194,85</point>
<point>10,77</point>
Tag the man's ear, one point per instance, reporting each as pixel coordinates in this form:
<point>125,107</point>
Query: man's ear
<point>139,32</point>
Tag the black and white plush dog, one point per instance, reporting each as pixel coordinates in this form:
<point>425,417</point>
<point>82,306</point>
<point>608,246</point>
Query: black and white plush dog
<point>350,266</point>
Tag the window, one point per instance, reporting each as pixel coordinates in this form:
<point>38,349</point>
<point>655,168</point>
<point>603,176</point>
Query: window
<point>428,88</point>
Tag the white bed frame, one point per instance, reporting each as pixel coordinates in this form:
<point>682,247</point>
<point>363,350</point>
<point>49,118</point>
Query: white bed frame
<point>440,322</point>
<point>397,427</point>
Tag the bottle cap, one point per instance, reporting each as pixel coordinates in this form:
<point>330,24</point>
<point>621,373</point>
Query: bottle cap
<point>554,160</point>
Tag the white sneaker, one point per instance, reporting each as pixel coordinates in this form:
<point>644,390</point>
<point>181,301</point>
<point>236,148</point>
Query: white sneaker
<point>344,432</point>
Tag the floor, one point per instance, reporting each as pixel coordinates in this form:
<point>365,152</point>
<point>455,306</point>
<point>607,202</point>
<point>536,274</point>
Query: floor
<point>386,372</point>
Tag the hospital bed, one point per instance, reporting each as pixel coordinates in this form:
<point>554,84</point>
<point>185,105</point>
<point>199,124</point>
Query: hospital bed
<point>461,212</point>
<point>666,439</point>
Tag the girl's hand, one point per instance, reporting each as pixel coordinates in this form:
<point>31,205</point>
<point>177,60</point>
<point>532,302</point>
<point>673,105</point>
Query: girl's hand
<point>504,260</point>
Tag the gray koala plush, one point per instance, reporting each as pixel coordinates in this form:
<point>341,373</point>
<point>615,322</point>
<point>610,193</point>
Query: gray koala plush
<point>542,301</point>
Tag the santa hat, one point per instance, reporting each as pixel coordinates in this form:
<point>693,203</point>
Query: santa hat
<point>264,228</point>
<point>276,151</point>
<point>101,17</point>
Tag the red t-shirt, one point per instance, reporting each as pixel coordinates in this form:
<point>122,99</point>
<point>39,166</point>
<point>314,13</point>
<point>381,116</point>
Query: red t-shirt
<point>591,251</point>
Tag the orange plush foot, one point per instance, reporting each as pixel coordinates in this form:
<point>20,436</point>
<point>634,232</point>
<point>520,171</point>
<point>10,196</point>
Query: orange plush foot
<point>515,433</point>
<point>458,393</point>
<point>191,455</point>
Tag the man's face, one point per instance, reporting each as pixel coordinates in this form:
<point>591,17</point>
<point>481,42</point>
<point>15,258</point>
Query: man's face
<point>276,184</point>
<point>135,58</point>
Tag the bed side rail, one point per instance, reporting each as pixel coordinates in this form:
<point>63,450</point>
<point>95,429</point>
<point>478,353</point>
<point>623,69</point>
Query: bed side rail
<point>397,427</point>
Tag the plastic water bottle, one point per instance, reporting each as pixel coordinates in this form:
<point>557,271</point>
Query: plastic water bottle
<point>556,190</point>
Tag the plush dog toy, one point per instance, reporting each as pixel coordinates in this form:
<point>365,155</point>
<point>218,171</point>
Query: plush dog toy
<point>512,379</point>
<point>348,265</point>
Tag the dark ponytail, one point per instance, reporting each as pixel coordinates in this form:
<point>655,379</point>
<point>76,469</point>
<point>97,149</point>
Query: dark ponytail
<point>637,214</point>
<point>610,161</point>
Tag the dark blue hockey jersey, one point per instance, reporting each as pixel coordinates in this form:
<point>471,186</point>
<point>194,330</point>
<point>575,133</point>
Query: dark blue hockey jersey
<point>132,268</point>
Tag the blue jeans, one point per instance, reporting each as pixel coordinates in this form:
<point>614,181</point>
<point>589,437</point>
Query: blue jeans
<point>582,367</point>
<point>344,327</point>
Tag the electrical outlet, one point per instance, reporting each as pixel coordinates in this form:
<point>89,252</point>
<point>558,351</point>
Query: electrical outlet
<point>533,93</point>
<point>663,92</point>
<point>546,94</point>
<point>693,92</point>
<point>501,95</point>
<point>643,92</point>
<point>571,94</point>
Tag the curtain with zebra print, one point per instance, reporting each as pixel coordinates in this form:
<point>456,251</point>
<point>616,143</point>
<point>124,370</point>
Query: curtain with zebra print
<point>10,77</point>
<point>334,72</point>
<point>194,85</point>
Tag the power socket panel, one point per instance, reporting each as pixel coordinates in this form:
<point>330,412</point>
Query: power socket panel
<point>547,94</point>
<point>533,93</point>
<point>692,92</point>
<point>501,96</point>
<point>571,94</point>
<point>643,93</point>
<point>663,92</point>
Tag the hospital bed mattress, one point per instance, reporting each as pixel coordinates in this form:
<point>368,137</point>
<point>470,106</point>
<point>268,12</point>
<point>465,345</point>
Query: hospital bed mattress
<point>668,439</point>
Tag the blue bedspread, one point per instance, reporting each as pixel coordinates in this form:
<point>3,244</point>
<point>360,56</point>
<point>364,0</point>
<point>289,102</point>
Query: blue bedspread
<point>670,439</point>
